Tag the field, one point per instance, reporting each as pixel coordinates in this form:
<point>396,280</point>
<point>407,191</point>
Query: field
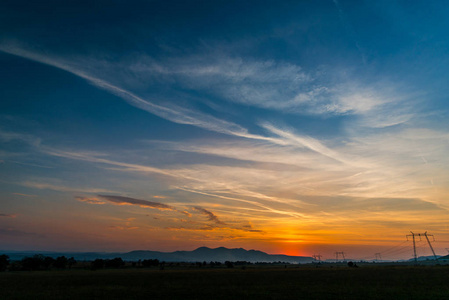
<point>370,282</point>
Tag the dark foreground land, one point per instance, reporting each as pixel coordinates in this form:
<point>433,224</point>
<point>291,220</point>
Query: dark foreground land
<point>381,282</point>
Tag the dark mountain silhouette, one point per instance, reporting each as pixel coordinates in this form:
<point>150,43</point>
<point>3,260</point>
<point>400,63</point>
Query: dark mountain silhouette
<point>423,258</point>
<point>220,254</point>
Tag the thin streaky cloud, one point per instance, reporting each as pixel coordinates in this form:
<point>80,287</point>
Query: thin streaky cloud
<point>175,114</point>
<point>121,200</point>
<point>124,166</point>
<point>63,188</point>
<point>90,200</point>
<point>210,215</point>
<point>26,138</point>
<point>8,215</point>
<point>264,207</point>
<point>307,142</point>
<point>24,195</point>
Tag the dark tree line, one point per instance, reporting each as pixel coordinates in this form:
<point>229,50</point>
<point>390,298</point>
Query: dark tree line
<point>4,262</point>
<point>146,263</point>
<point>37,262</point>
<point>41,262</point>
<point>115,263</point>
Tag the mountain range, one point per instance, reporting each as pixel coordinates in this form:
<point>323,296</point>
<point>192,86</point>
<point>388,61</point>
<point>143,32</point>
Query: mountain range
<point>201,254</point>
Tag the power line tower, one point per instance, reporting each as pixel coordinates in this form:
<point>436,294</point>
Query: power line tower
<point>339,253</point>
<point>317,257</point>
<point>447,249</point>
<point>414,243</point>
<point>430,245</point>
<point>378,256</point>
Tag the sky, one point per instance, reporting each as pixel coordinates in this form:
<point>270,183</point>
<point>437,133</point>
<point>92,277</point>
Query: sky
<point>293,127</point>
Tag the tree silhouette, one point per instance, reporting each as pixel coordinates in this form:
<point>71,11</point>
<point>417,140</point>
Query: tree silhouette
<point>97,264</point>
<point>61,262</point>
<point>146,263</point>
<point>4,262</point>
<point>71,261</point>
<point>48,262</point>
<point>34,263</point>
<point>115,263</point>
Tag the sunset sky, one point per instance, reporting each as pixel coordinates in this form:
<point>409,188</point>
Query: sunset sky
<point>294,127</point>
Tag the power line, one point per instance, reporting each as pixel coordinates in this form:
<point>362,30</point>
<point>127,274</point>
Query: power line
<point>317,257</point>
<point>378,256</point>
<point>339,253</point>
<point>413,235</point>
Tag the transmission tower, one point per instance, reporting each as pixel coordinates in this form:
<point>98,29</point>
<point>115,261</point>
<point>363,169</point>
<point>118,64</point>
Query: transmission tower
<point>317,257</point>
<point>378,257</point>
<point>339,253</point>
<point>414,243</point>
<point>430,245</point>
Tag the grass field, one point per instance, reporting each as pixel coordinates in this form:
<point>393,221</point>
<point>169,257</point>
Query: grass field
<point>259,283</point>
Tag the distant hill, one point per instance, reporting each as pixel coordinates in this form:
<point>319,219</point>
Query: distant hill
<point>446,257</point>
<point>424,258</point>
<point>220,254</point>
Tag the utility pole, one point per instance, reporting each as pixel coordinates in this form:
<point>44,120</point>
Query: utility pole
<point>378,257</point>
<point>414,244</point>
<point>430,245</point>
<point>339,253</point>
<point>317,257</point>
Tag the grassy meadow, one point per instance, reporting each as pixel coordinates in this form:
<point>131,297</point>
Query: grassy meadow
<point>370,282</point>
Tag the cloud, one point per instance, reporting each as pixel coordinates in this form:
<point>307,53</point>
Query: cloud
<point>120,200</point>
<point>7,216</point>
<point>123,227</point>
<point>172,113</point>
<point>7,136</point>
<point>305,142</point>
<point>210,215</point>
<point>249,227</point>
<point>267,84</point>
<point>10,232</point>
<point>182,228</point>
<point>90,200</point>
<point>63,188</point>
<point>24,195</point>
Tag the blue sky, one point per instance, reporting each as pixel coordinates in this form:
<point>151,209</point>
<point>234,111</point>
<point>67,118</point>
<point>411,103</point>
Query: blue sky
<point>291,127</point>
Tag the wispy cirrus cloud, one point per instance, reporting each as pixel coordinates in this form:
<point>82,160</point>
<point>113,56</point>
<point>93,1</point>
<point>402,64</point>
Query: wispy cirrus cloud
<point>62,188</point>
<point>8,136</point>
<point>290,138</point>
<point>90,200</point>
<point>121,200</point>
<point>24,195</point>
<point>172,112</point>
<point>210,215</point>
<point>266,84</point>
<point>281,86</point>
<point>8,215</point>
